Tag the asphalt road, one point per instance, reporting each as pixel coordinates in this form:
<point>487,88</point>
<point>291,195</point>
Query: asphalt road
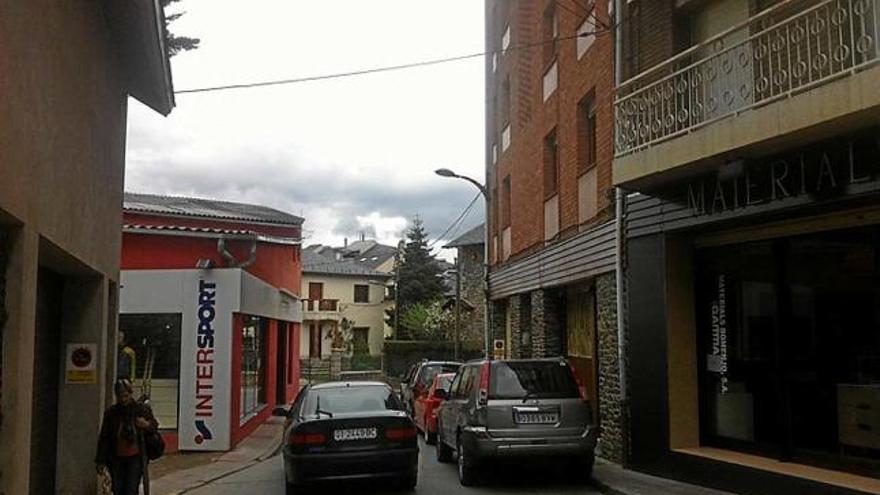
<point>434,478</point>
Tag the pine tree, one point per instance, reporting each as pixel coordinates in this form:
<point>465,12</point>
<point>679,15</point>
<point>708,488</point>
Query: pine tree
<point>420,279</point>
<point>176,44</point>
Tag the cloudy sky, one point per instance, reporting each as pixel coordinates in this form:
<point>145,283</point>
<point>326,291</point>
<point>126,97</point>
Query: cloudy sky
<point>350,155</point>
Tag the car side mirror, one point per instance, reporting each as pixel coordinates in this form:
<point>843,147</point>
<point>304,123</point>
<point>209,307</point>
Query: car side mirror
<point>280,411</point>
<point>441,394</point>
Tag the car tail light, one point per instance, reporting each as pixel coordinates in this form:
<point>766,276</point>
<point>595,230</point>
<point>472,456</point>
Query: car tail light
<point>307,439</point>
<point>484,384</point>
<point>580,386</point>
<point>400,433</point>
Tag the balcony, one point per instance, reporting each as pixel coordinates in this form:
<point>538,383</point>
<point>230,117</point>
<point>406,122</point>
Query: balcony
<point>321,309</point>
<point>798,70</point>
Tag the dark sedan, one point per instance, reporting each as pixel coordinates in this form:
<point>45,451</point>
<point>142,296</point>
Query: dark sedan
<point>348,430</point>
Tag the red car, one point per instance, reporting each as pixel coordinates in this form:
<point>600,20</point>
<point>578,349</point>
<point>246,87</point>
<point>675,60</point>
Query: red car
<point>425,406</point>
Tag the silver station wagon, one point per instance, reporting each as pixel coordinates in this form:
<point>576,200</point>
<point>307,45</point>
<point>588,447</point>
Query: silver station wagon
<point>515,409</point>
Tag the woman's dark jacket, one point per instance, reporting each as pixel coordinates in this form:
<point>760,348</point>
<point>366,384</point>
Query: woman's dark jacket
<point>114,416</point>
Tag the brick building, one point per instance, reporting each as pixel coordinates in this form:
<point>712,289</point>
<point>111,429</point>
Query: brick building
<point>66,73</point>
<point>549,150</point>
<point>748,137</point>
<point>210,312</point>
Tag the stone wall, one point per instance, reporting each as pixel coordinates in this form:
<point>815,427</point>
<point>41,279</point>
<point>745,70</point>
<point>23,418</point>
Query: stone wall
<point>546,325</point>
<point>470,259</point>
<point>611,442</point>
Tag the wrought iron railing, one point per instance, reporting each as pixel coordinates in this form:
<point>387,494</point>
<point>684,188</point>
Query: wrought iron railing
<point>791,47</point>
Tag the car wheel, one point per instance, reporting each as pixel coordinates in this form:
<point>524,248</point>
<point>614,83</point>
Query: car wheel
<point>409,483</point>
<point>467,469</point>
<point>444,453</point>
<point>582,468</point>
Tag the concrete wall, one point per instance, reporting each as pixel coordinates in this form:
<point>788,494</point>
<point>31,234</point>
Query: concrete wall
<point>62,150</point>
<point>341,288</point>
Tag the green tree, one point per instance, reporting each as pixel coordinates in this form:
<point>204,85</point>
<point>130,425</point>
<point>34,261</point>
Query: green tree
<point>419,273</point>
<point>176,44</point>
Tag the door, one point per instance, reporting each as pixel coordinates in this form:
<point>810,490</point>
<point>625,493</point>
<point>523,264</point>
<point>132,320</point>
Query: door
<point>315,340</point>
<point>316,293</point>
<point>47,357</point>
<point>281,364</point>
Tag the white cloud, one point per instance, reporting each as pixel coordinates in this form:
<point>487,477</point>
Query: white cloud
<point>348,154</point>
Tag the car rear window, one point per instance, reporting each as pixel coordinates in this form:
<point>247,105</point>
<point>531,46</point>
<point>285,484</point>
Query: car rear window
<point>542,379</point>
<point>345,400</point>
<point>431,370</point>
<point>445,382</point>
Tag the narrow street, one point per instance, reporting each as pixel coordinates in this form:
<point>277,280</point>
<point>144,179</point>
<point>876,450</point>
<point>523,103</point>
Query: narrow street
<point>267,478</point>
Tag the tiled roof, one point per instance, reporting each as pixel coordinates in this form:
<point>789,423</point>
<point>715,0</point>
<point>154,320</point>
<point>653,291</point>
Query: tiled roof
<point>207,231</point>
<point>329,261</point>
<point>476,235</point>
<point>206,208</point>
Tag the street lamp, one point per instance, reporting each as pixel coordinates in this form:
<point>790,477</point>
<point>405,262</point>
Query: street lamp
<point>445,172</point>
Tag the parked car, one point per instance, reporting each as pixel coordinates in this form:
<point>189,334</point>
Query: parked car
<point>515,409</point>
<point>425,406</point>
<point>343,431</point>
<point>406,380</point>
<point>422,378</point>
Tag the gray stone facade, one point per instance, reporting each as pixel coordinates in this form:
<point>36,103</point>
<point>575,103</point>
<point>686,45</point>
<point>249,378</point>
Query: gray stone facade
<point>546,327</point>
<point>470,259</point>
<point>611,442</point>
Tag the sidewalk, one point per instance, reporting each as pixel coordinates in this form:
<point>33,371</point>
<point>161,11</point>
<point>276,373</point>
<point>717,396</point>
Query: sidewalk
<point>260,445</point>
<point>614,480</point>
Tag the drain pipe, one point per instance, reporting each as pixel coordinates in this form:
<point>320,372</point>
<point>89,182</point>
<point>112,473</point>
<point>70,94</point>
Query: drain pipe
<point>619,275</point>
<point>230,259</point>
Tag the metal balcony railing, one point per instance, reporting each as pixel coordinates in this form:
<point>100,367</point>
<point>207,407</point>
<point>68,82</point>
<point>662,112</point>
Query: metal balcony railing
<point>321,305</point>
<point>791,47</point>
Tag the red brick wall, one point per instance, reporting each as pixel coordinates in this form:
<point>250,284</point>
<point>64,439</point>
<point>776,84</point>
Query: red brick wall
<point>532,118</point>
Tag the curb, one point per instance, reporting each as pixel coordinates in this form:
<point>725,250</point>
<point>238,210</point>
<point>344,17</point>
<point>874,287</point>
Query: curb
<point>268,453</point>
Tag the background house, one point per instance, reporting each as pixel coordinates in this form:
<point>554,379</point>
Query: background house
<point>347,284</point>
<point>66,73</point>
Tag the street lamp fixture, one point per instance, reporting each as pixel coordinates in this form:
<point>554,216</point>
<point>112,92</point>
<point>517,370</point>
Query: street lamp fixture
<point>445,172</point>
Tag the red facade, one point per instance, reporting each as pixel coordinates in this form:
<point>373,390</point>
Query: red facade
<point>163,242</point>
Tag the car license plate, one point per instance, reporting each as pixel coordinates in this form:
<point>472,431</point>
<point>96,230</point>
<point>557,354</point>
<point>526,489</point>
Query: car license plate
<point>354,434</point>
<point>537,418</point>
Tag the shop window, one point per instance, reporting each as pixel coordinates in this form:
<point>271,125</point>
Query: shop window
<point>789,332</point>
<point>253,361</point>
<point>361,293</point>
<point>149,355</point>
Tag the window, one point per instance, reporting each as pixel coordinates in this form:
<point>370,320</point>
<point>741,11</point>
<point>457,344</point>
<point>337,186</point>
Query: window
<point>360,337</point>
<point>550,32</point>
<point>586,125</point>
<point>588,26</point>
<point>505,202</point>
<point>361,293</point>
<point>152,341</point>
<point>253,359</point>
<point>504,105</point>
<point>505,39</point>
<point>353,399</point>
<point>587,196</point>
<point>551,165</point>
<point>544,379</point>
<point>551,80</point>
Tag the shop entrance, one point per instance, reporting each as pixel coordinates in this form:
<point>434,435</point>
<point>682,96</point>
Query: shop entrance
<point>790,348</point>
<point>281,364</point>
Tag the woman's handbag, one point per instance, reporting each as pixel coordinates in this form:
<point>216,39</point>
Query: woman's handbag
<point>154,444</point>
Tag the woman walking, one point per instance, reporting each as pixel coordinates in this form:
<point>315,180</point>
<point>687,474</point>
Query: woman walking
<point>121,444</point>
